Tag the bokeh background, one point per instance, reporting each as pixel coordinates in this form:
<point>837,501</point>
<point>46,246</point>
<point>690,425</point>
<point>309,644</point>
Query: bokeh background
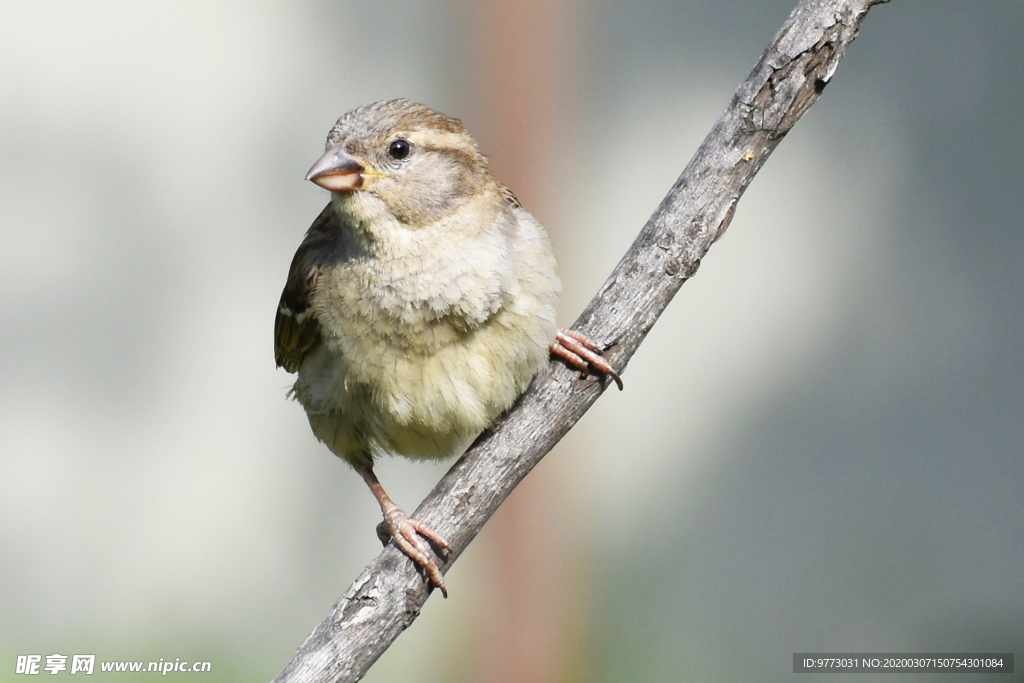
<point>820,446</point>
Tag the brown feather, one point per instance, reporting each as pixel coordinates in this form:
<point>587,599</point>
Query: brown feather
<point>296,329</point>
<point>510,198</point>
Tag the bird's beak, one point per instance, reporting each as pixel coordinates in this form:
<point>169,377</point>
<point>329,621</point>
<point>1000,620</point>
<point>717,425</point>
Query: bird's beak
<point>339,171</point>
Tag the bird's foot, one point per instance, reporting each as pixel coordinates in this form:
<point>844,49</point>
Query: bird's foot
<point>576,349</point>
<point>409,534</point>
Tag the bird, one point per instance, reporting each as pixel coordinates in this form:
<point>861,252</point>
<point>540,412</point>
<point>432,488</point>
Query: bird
<point>419,305</point>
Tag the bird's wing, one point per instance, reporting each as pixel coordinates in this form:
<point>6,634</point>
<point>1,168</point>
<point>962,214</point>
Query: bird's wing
<point>296,329</point>
<point>510,198</point>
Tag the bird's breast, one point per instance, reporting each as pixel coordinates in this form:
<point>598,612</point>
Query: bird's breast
<point>424,348</point>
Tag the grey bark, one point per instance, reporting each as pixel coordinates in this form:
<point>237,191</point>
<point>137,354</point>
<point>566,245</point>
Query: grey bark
<point>385,599</point>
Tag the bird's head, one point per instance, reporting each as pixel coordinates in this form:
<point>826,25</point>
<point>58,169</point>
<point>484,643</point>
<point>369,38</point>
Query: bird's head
<point>404,159</point>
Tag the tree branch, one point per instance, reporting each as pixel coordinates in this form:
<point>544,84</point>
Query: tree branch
<point>386,598</point>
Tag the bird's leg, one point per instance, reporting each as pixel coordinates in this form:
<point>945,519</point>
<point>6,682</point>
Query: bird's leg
<point>406,531</point>
<point>576,349</point>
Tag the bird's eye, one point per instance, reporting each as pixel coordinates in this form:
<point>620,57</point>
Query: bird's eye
<point>399,149</point>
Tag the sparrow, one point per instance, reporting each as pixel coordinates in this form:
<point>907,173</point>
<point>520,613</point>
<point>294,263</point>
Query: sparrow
<point>420,304</point>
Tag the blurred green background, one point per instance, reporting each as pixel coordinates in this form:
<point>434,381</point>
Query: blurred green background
<point>841,470</point>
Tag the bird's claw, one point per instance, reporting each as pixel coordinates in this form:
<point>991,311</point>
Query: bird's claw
<point>580,352</point>
<point>409,534</point>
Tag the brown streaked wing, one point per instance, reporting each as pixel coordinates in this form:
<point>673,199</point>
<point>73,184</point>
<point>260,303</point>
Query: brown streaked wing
<point>296,329</point>
<point>510,198</point>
